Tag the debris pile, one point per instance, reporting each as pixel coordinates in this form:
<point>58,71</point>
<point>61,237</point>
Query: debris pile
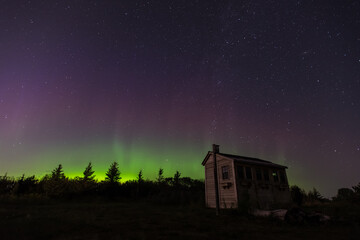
<point>293,216</point>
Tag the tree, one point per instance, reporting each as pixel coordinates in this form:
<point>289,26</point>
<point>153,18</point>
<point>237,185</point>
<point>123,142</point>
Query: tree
<point>88,173</point>
<point>113,174</point>
<point>315,195</point>
<point>176,180</point>
<point>356,192</point>
<point>58,173</point>
<point>160,177</point>
<point>297,195</point>
<point>345,194</point>
<point>140,177</point>
<point>356,189</point>
<point>56,184</point>
<point>6,184</point>
<point>26,185</point>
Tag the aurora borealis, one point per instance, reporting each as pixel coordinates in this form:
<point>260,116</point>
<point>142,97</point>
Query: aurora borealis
<point>153,84</point>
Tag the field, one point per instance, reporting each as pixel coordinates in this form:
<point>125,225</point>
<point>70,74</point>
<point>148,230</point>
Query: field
<point>124,219</point>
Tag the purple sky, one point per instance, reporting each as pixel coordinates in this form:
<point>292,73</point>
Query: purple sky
<point>153,84</point>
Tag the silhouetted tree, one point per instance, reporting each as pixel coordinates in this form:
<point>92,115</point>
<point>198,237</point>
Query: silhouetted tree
<point>186,182</point>
<point>88,173</point>
<point>140,180</point>
<point>6,184</point>
<point>176,179</point>
<point>113,174</point>
<point>297,195</point>
<point>140,177</point>
<point>169,181</point>
<point>86,184</point>
<point>315,195</point>
<point>356,193</point>
<point>160,177</point>
<point>345,194</point>
<point>26,185</point>
<point>56,184</point>
<point>356,188</point>
<point>58,173</point>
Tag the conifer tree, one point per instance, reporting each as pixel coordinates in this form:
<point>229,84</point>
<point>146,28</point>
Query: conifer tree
<point>176,180</point>
<point>140,177</point>
<point>58,173</point>
<point>113,174</point>
<point>55,184</point>
<point>160,177</point>
<point>88,173</point>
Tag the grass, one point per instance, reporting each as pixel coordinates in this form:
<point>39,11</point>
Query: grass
<point>125,219</point>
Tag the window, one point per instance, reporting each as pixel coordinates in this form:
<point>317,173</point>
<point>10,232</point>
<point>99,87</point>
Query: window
<point>225,172</point>
<point>240,172</point>
<point>282,177</point>
<point>258,174</point>
<point>275,176</point>
<point>248,173</point>
<point>266,175</point>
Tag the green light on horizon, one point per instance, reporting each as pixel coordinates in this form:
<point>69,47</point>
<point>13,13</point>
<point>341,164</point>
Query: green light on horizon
<point>74,159</point>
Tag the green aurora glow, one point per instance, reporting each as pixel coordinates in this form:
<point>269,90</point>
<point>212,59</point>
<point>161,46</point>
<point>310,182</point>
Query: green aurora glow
<point>139,156</point>
<point>149,159</point>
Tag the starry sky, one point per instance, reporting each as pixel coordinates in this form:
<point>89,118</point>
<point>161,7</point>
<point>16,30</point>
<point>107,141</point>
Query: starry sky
<point>153,84</point>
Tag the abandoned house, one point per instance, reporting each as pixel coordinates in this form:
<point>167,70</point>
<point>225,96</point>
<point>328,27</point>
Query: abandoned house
<point>244,180</point>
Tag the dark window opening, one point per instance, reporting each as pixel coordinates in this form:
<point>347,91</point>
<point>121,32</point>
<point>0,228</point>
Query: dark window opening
<point>275,176</point>
<point>225,172</point>
<point>266,175</point>
<point>282,177</point>
<point>248,173</point>
<point>258,174</point>
<point>240,172</point>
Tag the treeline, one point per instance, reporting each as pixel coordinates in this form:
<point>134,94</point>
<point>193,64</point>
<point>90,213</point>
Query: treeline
<point>176,189</point>
<point>57,185</point>
<point>301,197</point>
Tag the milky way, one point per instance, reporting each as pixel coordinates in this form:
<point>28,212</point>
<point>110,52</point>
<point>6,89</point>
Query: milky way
<point>153,84</point>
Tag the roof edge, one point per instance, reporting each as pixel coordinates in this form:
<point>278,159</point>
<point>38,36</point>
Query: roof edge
<point>206,158</point>
<point>256,161</point>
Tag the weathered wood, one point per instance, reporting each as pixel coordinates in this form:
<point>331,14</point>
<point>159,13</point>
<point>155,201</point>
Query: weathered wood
<point>261,193</point>
<point>215,151</point>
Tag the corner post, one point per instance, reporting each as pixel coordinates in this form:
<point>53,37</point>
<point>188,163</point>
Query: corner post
<point>215,151</point>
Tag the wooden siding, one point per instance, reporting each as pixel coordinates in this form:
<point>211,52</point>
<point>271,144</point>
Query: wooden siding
<point>233,191</point>
<point>260,193</point>
<point>210,185</point>
<point>227,187</point>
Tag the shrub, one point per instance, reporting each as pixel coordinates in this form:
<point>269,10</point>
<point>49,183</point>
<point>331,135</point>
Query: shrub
<point>297,195</point>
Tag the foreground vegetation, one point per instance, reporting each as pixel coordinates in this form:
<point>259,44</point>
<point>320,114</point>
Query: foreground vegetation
<point>57,207</point>
<point>125,219</point>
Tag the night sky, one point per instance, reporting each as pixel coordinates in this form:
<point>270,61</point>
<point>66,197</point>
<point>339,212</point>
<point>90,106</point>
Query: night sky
<point>153,84</point>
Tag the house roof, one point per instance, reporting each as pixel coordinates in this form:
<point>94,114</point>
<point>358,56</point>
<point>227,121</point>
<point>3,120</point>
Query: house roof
<point>243,159</point>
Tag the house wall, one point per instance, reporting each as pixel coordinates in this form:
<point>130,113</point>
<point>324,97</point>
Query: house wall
<point>260,193</point>
<point>227,187</point>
